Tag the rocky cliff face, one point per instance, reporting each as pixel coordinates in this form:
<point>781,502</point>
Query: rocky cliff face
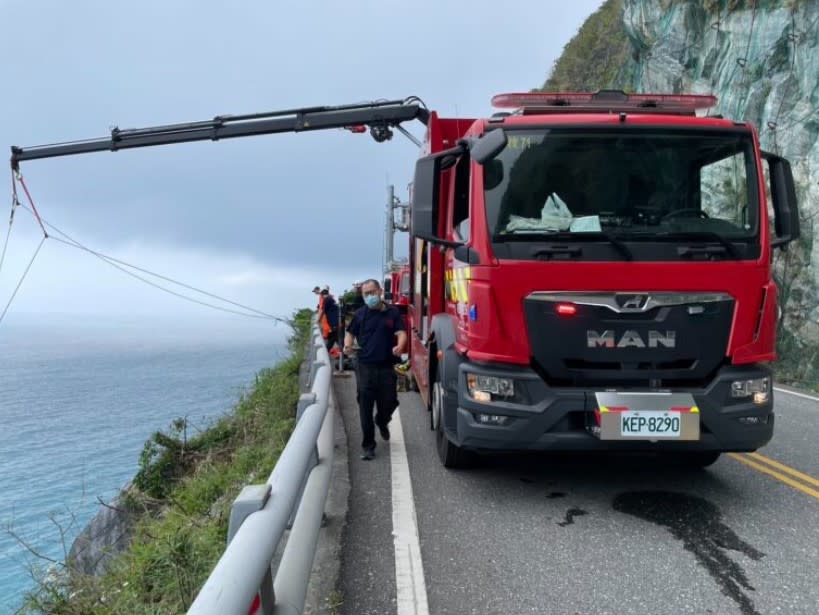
<point>760,58</point>
<point>105,536</point>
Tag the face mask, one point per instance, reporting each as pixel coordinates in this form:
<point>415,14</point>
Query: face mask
<point>372,301</point>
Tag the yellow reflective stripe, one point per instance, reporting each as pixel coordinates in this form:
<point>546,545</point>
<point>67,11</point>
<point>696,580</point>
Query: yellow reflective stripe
<point>456,283</point>
<point>695,410</point>
<point>462,290</point>
<point>603,409</point>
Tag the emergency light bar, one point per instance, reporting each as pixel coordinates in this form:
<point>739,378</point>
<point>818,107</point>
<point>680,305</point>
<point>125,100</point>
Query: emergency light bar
<point>608,100</point>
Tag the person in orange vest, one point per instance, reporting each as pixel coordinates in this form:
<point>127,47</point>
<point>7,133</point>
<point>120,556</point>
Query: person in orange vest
<point>328,318</point>
<point>320,310</point>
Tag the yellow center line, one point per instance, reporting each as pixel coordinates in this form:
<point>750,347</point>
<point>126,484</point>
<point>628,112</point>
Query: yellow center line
<point>784,468</point>
<point>765,470</point>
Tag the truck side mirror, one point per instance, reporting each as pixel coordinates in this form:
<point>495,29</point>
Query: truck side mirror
<point>488,146</point>
<point>783,196</point>
<point>426,188</point>
<point>425,196</point>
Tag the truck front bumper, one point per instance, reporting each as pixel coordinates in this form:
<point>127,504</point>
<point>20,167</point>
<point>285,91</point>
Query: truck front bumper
<point>543,418</point>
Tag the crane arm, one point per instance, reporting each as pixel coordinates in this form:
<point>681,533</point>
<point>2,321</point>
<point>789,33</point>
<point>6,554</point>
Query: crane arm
<point>380,116</point>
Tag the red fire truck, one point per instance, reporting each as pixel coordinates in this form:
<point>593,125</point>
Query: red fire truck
<point>588,272</point>
<point>397,285</point>
<point>592,272</point>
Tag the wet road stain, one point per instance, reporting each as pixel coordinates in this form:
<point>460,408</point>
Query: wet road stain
<point>571,514</point>
<point>697,523</point>
<point>555,494</point>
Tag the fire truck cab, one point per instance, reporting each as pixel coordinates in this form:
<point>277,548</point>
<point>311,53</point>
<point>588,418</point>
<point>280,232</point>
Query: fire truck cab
<point>592,272</point>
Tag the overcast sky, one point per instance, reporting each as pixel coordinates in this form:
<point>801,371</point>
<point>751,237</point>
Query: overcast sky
<point>260,220</point>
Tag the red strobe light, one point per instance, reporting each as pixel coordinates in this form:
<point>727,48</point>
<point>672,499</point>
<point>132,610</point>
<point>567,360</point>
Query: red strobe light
<point>566,309</point>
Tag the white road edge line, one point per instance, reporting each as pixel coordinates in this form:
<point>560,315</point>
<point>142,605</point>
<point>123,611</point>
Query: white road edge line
<point>796,394</point>
<point>409,569</point>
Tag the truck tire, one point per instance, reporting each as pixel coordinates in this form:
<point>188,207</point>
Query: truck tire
<point>451,456</point>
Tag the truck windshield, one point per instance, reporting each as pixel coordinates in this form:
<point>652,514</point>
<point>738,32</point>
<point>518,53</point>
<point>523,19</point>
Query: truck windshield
<point>637,184</point>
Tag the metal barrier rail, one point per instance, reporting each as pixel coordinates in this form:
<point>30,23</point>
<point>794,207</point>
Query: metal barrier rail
<point>296,489</point>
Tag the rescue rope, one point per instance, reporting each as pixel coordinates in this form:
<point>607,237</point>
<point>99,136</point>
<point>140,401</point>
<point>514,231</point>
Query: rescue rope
<point>70,241</point>
<point>15,203</point>
<point>19,178</point>
<point>121,265</point>
<point>23,277</point>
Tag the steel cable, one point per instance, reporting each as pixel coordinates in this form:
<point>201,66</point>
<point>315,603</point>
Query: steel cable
<point>23,277</point>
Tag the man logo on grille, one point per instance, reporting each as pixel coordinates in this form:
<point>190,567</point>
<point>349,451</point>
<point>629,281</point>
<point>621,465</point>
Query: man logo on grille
<point>630,339</point>
<point>632,303</point>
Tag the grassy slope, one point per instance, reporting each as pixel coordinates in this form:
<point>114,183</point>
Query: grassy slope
<point>184,490</point>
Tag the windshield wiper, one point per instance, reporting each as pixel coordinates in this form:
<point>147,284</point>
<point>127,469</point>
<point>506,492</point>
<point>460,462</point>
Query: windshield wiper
<point>730,248</point>
<point>613,239</point>
<point>527,235</point>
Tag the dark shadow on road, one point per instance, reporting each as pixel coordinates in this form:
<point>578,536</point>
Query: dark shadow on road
<point>588,469</point>
<point>698,524</point>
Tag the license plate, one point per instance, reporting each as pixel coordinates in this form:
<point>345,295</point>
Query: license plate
<point>650,424</point>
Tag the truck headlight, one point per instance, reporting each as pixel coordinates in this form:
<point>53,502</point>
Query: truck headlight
<point>757,388</point>
<point>484,388</point>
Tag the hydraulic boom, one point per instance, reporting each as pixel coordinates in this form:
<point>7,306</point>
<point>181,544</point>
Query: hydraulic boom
<point>380,117</point>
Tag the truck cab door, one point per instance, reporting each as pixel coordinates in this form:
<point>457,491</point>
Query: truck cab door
<point>418,309</point>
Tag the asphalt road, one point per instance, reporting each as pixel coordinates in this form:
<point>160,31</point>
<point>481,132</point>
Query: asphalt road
<point>578,536</point>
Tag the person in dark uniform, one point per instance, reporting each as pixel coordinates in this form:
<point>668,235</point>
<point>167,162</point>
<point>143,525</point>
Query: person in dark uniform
<point>381,339</point>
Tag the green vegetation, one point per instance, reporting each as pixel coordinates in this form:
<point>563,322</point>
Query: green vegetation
<point>184,490</point>
<point>798,360</point>
<point>597,57</point>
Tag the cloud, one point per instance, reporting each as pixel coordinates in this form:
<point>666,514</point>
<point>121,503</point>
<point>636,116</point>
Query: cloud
<point>280,212</point>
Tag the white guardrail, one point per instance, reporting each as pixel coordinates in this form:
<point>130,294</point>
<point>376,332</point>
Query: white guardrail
<point>296,490</point>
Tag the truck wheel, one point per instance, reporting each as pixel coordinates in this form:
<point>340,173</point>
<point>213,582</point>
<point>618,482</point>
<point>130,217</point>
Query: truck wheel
<point>451,456</point>
<point>436,394</point>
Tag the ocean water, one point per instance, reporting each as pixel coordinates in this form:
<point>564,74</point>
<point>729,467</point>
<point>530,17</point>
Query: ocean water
<point>77,403</point>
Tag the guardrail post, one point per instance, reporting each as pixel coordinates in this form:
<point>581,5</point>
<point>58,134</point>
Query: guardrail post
<point>313,369</point>
<point>305,401</point>
<point>341,333</point>
<point>312,359</point>
<point>314,459</point>
<point>251,499</point>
